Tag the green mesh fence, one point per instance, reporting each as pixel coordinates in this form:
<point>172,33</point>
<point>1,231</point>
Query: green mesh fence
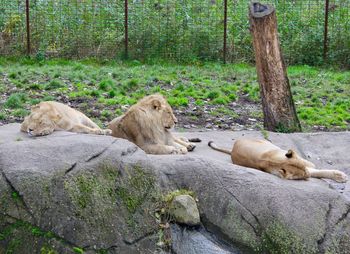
<point>178,30</point>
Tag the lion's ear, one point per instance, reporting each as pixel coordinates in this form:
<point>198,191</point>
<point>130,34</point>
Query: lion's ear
<point>283,172</point>
<point>57,117</point>
<point>156,104</point>
<point>34,107</point>
<point>290,153</point>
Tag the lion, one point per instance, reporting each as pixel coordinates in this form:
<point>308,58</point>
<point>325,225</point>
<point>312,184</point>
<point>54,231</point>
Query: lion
<point>147,124</point>
<point>265,156</point>
<point>48,116</point>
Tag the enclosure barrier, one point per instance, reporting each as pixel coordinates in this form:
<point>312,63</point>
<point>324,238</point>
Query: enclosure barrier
<point>311,31</point>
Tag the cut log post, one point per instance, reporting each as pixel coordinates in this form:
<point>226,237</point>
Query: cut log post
<point>278,106</point>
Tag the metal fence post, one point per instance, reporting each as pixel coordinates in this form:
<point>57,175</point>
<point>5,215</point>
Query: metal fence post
<point>225,31</point>
<point>325,38</point>
<point>126,28</point>
<point>28,27</point>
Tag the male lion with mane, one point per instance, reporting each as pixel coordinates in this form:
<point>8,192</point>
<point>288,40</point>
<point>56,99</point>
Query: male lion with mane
<point>147,124</point>
<point>265,156</point>
<point>48,116</point>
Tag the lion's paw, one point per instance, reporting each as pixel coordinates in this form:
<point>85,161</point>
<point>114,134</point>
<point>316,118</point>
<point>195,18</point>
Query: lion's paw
<point>190,147</point>
<point>103,132</point>
<point>43,133</point>
<point>181,150</point>
<point>107,132</point>
<point>340,176</point>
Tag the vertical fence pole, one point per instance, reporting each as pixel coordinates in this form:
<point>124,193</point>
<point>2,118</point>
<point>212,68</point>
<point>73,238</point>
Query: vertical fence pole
<point>28,27</point>
<point>126,11</point>
<point>325,39</point>
<point>225,30</point>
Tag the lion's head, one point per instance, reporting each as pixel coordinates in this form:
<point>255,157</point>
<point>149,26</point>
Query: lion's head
<point>159,111</point>
<point>292,167</point>
<point>41,120</point>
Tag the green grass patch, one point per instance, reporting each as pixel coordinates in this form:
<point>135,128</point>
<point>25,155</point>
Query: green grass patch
<point>178,101</point>
<point>54,84</point>
<point>106,85</point>
<point>322,96</point>
<point>2,116</point>
<point>16,100</point>
<point>20,112</point>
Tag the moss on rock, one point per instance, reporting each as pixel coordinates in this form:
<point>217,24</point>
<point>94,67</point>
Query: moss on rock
<point>92,191</point>
<point>278,239</point>
<point>237,229</point>
<point>19,236</point>
<point>107,195</point>
<point>133,189</point>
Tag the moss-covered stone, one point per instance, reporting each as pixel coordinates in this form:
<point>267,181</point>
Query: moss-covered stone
<point>47,250</point>
<point>183,209</point>
<point>93,191</point>
<point>171,195</point>
<point>113,199</point>
<point>19,236</point>
<point>133,189</point>
<point>278,239</point>
<point>235,228</point>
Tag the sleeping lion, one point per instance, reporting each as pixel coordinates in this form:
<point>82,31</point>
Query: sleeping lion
<point>265,156</point>
<point>147,124</point>
<point>48,116</point>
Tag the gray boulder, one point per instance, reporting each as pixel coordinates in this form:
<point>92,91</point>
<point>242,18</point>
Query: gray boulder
<point>184,210</point>
<point>72,192</point>
<point>85,192</point>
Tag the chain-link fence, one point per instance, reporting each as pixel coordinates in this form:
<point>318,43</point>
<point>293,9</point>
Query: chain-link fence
<point>180,30</point>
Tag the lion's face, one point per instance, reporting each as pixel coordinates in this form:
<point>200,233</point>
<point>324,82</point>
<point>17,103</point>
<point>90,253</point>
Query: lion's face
<point>41,122</point>
<point>168,118</point>
<point>292,168</point>
<point>164,112</point>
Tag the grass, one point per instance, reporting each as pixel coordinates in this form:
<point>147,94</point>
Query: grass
<point>104,91</point>
<point>15,101</point>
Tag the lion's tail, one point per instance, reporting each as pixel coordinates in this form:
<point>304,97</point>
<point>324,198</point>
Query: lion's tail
<point>212,145</point>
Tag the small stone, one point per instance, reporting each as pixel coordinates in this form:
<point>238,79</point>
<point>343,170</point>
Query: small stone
<point>224,126</point>
<point>184,210</point>
<point>187,126</point>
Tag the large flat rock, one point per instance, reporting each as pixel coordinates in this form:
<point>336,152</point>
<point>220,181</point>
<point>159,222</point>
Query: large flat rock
<point>98,193</point>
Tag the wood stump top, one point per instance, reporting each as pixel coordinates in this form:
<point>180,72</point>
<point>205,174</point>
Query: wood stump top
<point>258,10</point>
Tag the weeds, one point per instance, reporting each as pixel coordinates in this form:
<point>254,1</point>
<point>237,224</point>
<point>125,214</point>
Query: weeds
<point>15,100</point>
<point>106,91</point>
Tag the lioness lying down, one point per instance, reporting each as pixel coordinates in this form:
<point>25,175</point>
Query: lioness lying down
<point>148,124</point>
<point>48,116</point>
<point>265,156</point>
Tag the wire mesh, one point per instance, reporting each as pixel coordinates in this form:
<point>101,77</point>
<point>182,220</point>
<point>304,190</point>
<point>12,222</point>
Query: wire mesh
<point>12,27</point>
<point>179,30</point>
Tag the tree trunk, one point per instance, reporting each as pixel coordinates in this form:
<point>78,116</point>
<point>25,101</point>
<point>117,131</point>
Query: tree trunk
<point>277,101</point>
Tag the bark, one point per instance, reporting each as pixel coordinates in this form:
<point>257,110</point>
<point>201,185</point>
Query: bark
<point>278,106</point>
